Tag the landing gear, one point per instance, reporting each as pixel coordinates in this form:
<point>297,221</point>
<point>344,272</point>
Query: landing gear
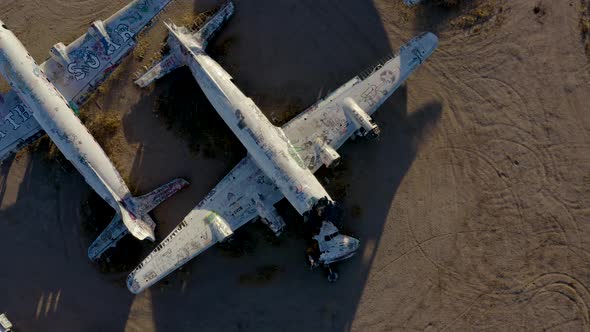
<point>332,275</point>
<point>323,210</point>
<point>374,133</point>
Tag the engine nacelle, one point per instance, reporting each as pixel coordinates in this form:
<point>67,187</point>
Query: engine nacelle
<point>219,227</point>
<point>327,154</point>
<point>98,31</point>
<point>59,53</point>
<point>365,124</point>
<point>269,216</point>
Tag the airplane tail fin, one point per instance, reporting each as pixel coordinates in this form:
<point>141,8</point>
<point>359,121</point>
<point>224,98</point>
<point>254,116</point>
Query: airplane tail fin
<point>133,218</point>
<point>159,69</point>
<point>214,23</point>
<point>140,226</point>
<point>149,201</point>
<point>199,39</point>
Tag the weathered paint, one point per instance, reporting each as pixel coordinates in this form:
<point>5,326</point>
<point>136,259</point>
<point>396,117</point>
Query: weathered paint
<point>78,69</point>
<point>330,119</point>
<point>333,246</point>
<point>55,116</point>
<point>328,122</point>
<point>73,72</point>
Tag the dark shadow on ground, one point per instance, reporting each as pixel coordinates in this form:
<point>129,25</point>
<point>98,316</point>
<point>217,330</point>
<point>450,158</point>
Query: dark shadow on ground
<point>438,18</point>
<point>434,17</point>
<point>4,170</point>
<point>47,278</point>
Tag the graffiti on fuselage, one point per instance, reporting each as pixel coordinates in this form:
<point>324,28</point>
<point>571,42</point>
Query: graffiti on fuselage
<point>87,59</point>
<point>22,115</point>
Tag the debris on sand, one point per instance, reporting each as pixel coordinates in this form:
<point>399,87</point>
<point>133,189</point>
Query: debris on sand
<point>480,13</point>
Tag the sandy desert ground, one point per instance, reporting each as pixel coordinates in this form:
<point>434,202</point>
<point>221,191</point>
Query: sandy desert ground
<point>473,206</point>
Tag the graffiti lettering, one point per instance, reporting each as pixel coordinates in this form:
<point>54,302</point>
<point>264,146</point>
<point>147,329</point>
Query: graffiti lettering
<point>22,112</point>
<point>11,120</point>
<point>92,61</point>
<point>76,71</point>
<point>111,47</point>
<point>89,61</point>
<point>124,32</point>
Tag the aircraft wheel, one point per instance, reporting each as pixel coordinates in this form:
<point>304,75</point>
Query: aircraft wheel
<point>332,276</point>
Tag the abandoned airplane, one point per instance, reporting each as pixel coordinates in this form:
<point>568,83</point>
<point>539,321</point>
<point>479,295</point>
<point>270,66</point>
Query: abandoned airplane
<point>45,98</point>
<point>280,161</point>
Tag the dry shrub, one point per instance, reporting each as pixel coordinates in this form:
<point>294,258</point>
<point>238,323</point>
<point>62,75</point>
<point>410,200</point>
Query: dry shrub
<point>103,126</point>
<point>478,15</point>
<point>141,48</point>
<point>196,20</point>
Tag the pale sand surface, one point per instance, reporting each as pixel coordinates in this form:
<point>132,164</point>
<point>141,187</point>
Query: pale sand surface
<point>473,206</point>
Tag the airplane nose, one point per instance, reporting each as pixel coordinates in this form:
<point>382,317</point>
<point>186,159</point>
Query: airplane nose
<point>357,244</point>
<point>431,39</point>
<point>429,42</point>
<point>353,244</point>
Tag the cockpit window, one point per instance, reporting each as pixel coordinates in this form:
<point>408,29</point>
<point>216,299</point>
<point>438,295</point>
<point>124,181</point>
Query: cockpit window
<point>331,236</point>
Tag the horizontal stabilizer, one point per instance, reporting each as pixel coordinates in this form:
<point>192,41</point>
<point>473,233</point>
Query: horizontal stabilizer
<point>141,228</point>
<point>201,37</point>
<point>148,202</point>
<point>114,232</point>
<point>161,68</point>
<point>214,24</point>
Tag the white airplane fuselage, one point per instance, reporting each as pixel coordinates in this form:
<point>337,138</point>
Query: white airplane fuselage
<point>56,117</point>
<point>267,145</point>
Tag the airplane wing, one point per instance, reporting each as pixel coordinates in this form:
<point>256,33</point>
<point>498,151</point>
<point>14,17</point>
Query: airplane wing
<point>227,207</point>
<point>78,69</point>
<point>18,128</point>
<point>327,122</point>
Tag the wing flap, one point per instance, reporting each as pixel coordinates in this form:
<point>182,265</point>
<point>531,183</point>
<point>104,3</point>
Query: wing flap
<point>328,121</point>
<point>226,208</point>
<point>191,237</point>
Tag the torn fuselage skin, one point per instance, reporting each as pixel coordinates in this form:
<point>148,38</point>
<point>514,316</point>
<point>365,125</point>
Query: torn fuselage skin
<point>326,244</point>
